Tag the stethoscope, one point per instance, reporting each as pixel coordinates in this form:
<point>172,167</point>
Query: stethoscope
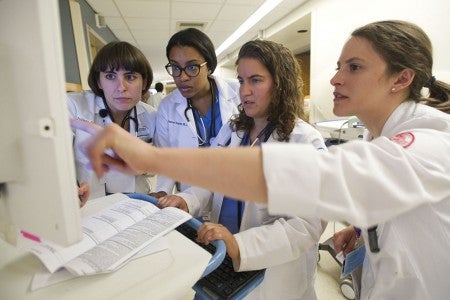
<point>212,128</point>
<point>262,136</point>
<point>104,112</point>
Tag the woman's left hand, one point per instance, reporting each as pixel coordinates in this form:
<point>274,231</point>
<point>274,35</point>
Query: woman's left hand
<point>209,232</point>
<point>83,193</point>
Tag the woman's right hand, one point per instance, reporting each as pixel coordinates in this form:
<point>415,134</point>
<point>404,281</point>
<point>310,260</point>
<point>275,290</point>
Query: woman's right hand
<point>129,154</point>
<point>345,240</point>
<point>173,201</point>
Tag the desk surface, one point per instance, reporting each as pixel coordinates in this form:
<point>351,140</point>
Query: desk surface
<point>168,274</point>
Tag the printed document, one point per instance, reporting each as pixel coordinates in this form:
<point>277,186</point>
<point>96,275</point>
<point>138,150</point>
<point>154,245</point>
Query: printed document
<point>111,237</point>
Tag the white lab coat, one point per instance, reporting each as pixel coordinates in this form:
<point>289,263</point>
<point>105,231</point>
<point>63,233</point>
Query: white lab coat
<point>401,184</point>
<point>173,130</point>
<point>286,246</point>
<point>86,106</point>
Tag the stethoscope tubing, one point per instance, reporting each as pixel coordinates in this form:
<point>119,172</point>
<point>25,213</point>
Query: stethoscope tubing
<point>127,117</point>
<point>212,128</point>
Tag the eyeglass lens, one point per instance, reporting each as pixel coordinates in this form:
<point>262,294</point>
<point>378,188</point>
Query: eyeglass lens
<point>190,70</point>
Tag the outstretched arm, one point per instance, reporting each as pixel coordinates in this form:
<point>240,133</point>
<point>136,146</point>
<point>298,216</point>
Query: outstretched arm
<point>236,172</point>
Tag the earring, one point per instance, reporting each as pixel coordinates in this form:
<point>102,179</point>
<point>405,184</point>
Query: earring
<point>393,90</point>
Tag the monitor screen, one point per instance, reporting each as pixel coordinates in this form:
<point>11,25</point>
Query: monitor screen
<point>38,191</point>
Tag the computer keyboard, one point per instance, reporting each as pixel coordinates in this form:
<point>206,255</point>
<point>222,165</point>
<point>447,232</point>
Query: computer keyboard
<point>223,282</point>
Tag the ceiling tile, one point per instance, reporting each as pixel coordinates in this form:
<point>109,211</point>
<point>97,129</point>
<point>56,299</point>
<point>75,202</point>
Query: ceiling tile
<point>104,7</point>
<point>115,23</point>
<point>148,24</point>
<point>195,11</point>
<point>143,9</point>
<point>237,12</point>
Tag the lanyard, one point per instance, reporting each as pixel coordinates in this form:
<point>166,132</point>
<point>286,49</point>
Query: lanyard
<point>262,137</point>
<point>373,238</point>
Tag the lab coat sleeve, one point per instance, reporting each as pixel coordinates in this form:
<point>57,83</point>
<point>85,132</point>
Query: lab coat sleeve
<point>197,200</point>
<point>278,243</point>
<point>360,182</point>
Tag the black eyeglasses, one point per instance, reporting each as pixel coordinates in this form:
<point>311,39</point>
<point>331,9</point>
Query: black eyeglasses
<point>191,70</point>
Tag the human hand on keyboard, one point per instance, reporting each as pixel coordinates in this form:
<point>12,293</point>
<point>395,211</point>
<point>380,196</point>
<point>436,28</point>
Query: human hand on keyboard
<point>173,201</point>
<point>209,232</point>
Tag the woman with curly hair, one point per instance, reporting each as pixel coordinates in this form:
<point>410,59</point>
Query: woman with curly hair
<point>286,100</point>
<point>270,112</point>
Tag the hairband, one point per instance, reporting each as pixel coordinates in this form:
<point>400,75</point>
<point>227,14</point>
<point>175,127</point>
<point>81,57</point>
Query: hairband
<point>431,82</point>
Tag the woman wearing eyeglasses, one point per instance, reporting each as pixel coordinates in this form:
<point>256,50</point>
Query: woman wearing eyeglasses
<point>192,115</point>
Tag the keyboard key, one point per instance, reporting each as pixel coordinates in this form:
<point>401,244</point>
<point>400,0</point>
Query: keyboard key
<point>223,282</point>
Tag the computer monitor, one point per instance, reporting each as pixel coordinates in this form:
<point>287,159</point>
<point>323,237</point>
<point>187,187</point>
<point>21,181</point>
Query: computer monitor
<point>38,191</point>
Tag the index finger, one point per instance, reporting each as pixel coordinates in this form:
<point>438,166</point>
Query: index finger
<point>86,126</point>
<point>202,229</point>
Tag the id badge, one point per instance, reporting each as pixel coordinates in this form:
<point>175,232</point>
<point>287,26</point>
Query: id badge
<point>144,134</point>
<point>205,216</point>
<point>353,260</point>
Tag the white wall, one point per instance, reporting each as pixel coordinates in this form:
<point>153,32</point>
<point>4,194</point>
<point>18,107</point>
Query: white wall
<point>334,20</point>
<point>226,72</point>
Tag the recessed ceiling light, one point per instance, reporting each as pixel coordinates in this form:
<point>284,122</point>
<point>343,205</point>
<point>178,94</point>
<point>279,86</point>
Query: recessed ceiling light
<point>263,10</point>
<point>183,25</point>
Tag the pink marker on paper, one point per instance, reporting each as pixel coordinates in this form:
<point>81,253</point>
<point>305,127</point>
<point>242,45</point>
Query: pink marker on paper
<point>30,236</point>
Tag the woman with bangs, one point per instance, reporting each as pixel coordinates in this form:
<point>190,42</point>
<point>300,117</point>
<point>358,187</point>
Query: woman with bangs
<point>120,74</point>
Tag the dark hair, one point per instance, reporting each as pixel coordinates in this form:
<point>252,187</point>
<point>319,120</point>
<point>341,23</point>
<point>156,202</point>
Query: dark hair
<point>192,37</point>
<point>405,45</point>
<point>117,55</point>
<point>286,104</point>
<point>159,87</point>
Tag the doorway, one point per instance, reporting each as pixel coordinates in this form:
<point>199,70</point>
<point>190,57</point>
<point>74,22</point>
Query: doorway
<point>95,43</point>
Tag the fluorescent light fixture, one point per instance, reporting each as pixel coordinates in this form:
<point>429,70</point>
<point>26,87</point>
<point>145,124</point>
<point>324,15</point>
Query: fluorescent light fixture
<point>263,10</point>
